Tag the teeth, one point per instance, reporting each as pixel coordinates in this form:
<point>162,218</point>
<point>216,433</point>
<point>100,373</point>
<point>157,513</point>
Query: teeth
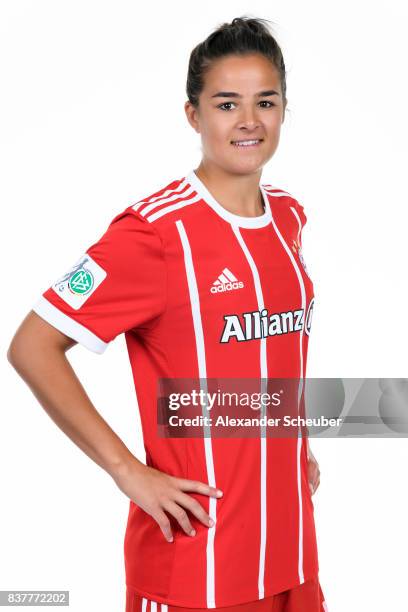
<point>244,143</point>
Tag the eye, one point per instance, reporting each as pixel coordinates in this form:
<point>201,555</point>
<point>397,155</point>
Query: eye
<point>223,104</point>
<point>261,102</point>
<point>268,102</point>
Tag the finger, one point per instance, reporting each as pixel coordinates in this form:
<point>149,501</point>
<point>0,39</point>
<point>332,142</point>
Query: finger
<point>195,508</point>
<point>198,487</point>
<point>163,521</point>
<point>313,485</point>
<point>313,473</point>
<point>180,515</point>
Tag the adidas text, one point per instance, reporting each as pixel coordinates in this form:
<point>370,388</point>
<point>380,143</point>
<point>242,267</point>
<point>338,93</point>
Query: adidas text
<point>227,287</point>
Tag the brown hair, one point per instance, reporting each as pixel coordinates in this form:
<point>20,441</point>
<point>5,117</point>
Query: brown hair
<point>243,36</point>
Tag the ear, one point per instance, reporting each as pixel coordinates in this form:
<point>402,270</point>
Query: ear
<point>192,116</point>
<point>284,111</point>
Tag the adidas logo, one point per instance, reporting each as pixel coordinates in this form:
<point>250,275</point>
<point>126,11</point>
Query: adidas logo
<point>226,282</point>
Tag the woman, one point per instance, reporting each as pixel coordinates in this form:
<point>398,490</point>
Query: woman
<point>206,279</point>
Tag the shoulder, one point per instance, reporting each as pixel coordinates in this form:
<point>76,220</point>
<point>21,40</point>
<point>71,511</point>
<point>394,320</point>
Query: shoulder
<point>157,209</point>
<point>143,215</point>
<point>291,201</point>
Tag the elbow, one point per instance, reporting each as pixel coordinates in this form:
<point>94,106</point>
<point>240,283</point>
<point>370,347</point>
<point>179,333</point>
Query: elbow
<point>35,340</point>
<point>10,354</point>
<point>14,353</point>
<point>22,356</point>
<point>22,349</point>
<point>23,346</point>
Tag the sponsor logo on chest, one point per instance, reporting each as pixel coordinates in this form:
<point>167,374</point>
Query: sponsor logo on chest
<point>260,324</point>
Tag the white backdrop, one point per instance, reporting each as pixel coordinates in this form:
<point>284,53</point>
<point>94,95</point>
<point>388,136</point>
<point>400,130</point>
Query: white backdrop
<point>92,119</point>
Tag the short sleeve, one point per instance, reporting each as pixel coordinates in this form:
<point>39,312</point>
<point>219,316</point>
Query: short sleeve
<point>118,284</point>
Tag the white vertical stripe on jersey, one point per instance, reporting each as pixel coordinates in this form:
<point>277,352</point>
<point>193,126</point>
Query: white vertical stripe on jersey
<point>202,369</point>
<point>264,375</point>
<point>153,606</point>
<point>300,439</point>
<point>144,604</point>
<point>164,607</point>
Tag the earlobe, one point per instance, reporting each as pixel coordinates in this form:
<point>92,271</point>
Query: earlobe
<point>193,124</point>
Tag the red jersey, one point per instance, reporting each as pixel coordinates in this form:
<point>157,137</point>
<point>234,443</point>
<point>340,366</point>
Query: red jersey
<point>177,273</point>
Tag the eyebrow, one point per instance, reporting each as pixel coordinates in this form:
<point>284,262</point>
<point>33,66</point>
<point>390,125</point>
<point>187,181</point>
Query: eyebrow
<point>233,94</point>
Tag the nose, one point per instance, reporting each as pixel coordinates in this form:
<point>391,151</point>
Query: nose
<point>249,118</point>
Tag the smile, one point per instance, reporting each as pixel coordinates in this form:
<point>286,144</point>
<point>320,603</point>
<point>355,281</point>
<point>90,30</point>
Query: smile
<point>246,143</point>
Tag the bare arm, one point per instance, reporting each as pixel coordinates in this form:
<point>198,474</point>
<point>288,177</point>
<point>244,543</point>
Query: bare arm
<point>38,353</point>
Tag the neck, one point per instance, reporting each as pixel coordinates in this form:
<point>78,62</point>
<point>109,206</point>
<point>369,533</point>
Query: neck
<point>237,193</point>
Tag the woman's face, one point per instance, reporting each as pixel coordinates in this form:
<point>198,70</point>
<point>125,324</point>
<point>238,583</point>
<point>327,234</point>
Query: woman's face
<point>241,100</point>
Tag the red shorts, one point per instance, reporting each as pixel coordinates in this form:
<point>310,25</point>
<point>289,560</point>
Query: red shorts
<point>307,597</point>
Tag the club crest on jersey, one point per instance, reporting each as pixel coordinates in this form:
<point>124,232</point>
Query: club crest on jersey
<point>298,249</point>
<point>259,324</point>
<point>80,282</point>
<point>226,281</point>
